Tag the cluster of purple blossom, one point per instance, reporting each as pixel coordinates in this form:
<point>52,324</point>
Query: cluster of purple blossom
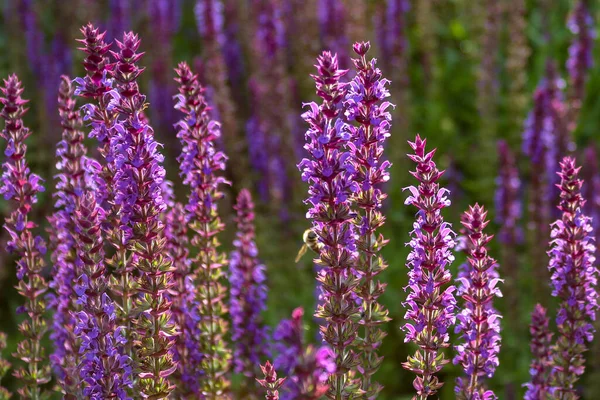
<point>141,303</point>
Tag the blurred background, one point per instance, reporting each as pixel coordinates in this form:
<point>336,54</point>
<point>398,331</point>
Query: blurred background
<point>464,73</point>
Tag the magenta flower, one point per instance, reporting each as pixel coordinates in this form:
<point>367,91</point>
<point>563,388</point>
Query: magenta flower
<point>248,292</point>
<point>430,303</point>
<point>329,171</point>
<point>201,165</point>
<point>478,321</point>
<point>22,186</point>
<point>369,128</point>
<point>541,363</point>
<point>574,278</point>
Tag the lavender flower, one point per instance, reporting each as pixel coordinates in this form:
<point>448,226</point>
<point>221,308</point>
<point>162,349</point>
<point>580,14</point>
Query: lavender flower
<point>478,321</point>
<point>329,172</point>
<point>119,19</point>
<point>209,16</point>
<point>138,195</point>
<point>591,190</point>
<point>248,292</point>
<point>70,186</point>
<point>308,368</point>
<point>369,127</point>
<point>508,212</point>
<point>271,383</point>
<point>21,186</point>
<point>200,165</point>
<point>580,59</point>
<point>183,294</point>
<point>333,27</point>
<point>105,370</point>
<point>541,363</point>
<point>539,146</point>
<point>430,303</point>
<point>574,278</point>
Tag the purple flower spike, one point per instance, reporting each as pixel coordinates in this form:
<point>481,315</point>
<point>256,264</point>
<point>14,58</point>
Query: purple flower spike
<point>574,278</point>
<point>478,321</point>
<point>21,186</point>
<point>369,128</point>
<point>201,165</point>
<point>105,370</point>
<point>541,363</point>
<point>307,367</point>
<point>138,195</point>
<point>71,164</point>
<point>248,293</point>
<point>329,171</point>
<point>430,303</point>
<point>508,213</point>
<point>580,59</point>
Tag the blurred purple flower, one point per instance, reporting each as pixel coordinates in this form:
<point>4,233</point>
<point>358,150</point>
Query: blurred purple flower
<point>432,241</point>
<point>541,363</point>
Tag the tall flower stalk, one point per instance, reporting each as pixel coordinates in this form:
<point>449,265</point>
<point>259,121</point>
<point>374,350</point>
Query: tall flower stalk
<point>369,127</point>
<point>248,294</point>
<point>139,197</point>
<point>22,186</point>
<point>574,279</point>
<point>430,302</point>
<point>329,173</point>
<point>201,165</point>
<point>541,363</point>
<point>478,321</point>
<point>508,213</point>
<point>101,114</point>
<point>70,154</point>
<point>105,370</point>
<point>580,59</point>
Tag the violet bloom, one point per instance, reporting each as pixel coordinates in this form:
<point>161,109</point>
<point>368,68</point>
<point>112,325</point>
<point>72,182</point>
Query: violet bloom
<point>541,363</point>
<point>183,295</point>
<point>333,26</point>
<point>104,370</point>
<point>539,146</point>
<point>119,20</point>
<point>308,368</point>
<point>270,382</point>
<point>329,172</point>
<point>478,321</point>
<point>591,189</point>
<point>248,292</point>
<point>430,303</point>
<point>369,127</point>
<point>574,278</point>
<point>580,59</point>
<point>508,213</point>
<point>138,181</point>
<point>201,166</point>
<point>71,164</point>
<point>22,186</point>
